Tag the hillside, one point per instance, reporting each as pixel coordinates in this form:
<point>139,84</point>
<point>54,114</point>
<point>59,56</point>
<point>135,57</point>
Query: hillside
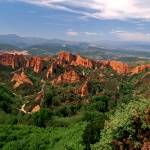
<point>69,94</point>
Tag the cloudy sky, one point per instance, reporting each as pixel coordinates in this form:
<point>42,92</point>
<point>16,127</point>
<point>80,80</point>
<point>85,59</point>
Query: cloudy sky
<point>77,20</point>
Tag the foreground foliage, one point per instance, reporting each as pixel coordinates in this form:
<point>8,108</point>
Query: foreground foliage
<point>125,125</point>
<point>19,137</point>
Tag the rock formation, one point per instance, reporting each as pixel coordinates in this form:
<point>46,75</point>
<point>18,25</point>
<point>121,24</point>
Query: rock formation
<point>52,69</point>
<point>20,79</point>
<point>67,56</point>
<point>79,61</point>
<point>146,146</point>
<point>83,90</point>
<point>35,109</point>
<point>11,59</point>
<point>67,77</point>
<point>120,67</point>
<point>76,60</point>
<point>140,69</point>
<point>35,62</point>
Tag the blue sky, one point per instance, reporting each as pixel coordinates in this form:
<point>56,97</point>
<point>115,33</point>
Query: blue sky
<point>77,20</point>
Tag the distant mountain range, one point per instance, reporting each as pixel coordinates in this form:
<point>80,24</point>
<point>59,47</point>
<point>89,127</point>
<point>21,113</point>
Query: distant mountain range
<point>24,42</point>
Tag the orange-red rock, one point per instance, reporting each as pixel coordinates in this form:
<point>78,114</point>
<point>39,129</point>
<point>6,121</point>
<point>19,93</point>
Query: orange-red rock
<point>146,146</point>
<point>20,79</point>
<point>76,60</point>
<point>11,59</point>
<point>46,58</point>
<point>140,69</point>
<point>35,62</point>
<point>83,90</point>
<point>120,67</point>
<point>52,69</point>
<point>61,61</point>
<point>35,109</point>
<point>67,56</point>
<point>83,62</point>
<point>68,77</point>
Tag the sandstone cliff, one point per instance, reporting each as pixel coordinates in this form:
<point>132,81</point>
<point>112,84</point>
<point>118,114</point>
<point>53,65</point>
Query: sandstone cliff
<point>35,62</point>
<point>76,60</point>
<point>35,109</point>
<point>140,69</point>
<point>83,90</point>
<point>67,77</point>
<point>52,69</point>
<point>120,67</point>
<point>11,59</point>
<point>20,79</point>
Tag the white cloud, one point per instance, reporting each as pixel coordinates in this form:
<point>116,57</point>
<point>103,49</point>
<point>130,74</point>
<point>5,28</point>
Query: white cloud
<point>101,9</point>
<point>71,32</point>
<point>91,33</point>
<point>118,31</point>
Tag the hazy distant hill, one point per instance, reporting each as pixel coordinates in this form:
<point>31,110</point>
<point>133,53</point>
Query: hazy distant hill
<point>26,41</point>
<point>128,45</point>
<point>8,47</point>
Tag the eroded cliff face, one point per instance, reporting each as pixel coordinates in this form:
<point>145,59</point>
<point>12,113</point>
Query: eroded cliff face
<point>67,56</point>
<point>20,79</point>
<point>35,109</point>
<point>140,69</point>
<point>120,67</point>
<point>11,59</point>
<point>83,90</point>
<point>68,77</point>
<point>36,63</point>
<point>76,60</point>
<point>52,69</point>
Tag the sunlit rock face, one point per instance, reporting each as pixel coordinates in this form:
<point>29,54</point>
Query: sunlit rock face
<point>76,60</point>
<point>140,69</point>
<point>68,77</point>
<point>36,63</point>
<point>52,69</point>
<point>83,90</point>
<point>120,67</point>
<point>11,59</point>
<point>20,79</point>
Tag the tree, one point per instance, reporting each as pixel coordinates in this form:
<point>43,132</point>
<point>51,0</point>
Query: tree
<point>91,134</point>
<point>42,117</point>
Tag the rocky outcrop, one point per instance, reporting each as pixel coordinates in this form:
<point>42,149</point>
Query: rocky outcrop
<point>20,79</point>
<point>67,56</point>
<point>140,69</point>
<point>61,61</point>
<point>146,146</point>
<point>76,60</point>
<point>120,67</point>
<point>36,63</point>
<point>147,115</point>
<point>67,77</point>
<point>52,69</point>
<point>83,62</point>
<point>35,109</point>
<point>11,59</point>
<point>83,90</point>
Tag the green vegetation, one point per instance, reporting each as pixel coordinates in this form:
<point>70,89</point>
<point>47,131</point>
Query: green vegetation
<point>128,122</point>
<point>108,114</point>
<point>8,47</point>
